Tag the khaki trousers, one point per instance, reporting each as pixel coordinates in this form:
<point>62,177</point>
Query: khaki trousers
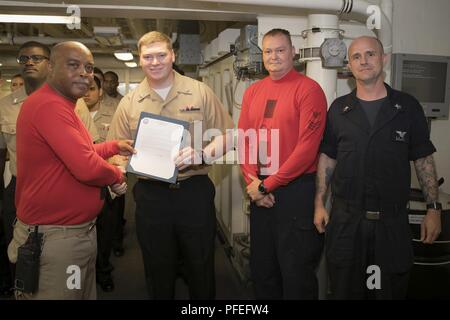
<point>67,263</point>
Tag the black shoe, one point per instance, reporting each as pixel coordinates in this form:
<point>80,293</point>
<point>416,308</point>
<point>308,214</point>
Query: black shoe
<point>106,283</point>
<point>118,252</point>
<point>6,292</point>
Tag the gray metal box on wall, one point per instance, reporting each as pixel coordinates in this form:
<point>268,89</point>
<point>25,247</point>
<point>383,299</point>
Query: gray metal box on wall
<point>248,54</point>
<point>249,37</point>
<point>189,51</point>
<point>427,78</point>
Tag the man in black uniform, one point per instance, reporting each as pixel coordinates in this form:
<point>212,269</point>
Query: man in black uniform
<point>371,136</point>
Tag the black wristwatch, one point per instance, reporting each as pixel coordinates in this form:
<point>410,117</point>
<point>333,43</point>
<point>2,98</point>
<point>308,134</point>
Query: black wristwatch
<point>434,205</point>
<point>262,188</point>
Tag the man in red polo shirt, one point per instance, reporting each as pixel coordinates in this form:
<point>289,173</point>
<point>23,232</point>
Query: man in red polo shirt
<point>61,177</point>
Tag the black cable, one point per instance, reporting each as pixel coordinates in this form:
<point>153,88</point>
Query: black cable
<point>256,45</point>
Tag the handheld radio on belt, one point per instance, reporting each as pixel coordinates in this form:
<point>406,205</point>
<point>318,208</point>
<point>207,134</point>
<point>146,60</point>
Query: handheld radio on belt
<point>28,262</point>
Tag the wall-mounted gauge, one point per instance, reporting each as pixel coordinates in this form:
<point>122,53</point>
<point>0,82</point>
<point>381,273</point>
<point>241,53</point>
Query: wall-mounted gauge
<point>333,52</point>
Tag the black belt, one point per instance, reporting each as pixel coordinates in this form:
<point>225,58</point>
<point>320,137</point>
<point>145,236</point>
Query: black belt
<point>386,210</point>
<point>176,185</point>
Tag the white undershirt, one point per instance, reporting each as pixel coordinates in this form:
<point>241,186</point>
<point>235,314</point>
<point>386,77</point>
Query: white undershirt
<point>93,113</point>
<point>163,92</point>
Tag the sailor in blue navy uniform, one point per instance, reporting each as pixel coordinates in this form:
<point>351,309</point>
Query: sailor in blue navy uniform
<point>371,136</point>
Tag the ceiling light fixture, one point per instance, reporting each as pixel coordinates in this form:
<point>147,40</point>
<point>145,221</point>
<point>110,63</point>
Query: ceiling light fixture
<point>124,55</point>
<point>131,64</point>
<point>20,18</point>
<point>106,31</point>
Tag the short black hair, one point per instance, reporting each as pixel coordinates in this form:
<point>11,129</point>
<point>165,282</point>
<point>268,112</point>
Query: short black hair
<point>99,71</point>
<point>35,44</point>
<point>277,32</point>
<point>18,75</point>
<point>98,82</point>
<point>113,74</point>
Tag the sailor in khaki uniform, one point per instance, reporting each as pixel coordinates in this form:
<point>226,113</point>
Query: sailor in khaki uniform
<point>9,111</point>
<point>101,116</point>
<point>83,112</point>
<point>110,94</point>
<point>111,102</point>
<point>175,220</point>
<point>109,82</point>
<point>17,82</point>
<point>102,121</point>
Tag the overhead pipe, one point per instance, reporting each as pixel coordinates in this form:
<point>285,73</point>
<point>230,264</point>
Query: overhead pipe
<point>13,40</point>
<point>387,8</point>
<point>338,6</point>
<point>326,77</point>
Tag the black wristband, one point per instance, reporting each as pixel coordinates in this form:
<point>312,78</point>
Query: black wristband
<point>262,188</point>
<point>435,205</point>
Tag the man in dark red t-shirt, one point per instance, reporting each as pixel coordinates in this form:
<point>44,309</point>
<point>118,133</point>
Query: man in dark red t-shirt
<point>285,113</point>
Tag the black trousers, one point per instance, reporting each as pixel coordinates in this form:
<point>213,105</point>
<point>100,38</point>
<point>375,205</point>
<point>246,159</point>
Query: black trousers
<point>105,228</point>
<point>173,223</point>
<point>285,245</point>
<point>8,216</point>
<point>9,209</point>
<point>349,277</point>
<point>5,269</point>
<point>118,209</point>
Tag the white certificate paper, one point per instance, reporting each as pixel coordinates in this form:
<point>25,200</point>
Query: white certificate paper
<point>158,141</point>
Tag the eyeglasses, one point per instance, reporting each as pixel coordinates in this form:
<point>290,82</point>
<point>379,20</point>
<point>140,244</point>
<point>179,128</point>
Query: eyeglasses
<point>35,58</point>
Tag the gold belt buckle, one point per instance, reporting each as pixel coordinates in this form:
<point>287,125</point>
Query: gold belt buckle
<point>373,215</point>
<point>174,185</point>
